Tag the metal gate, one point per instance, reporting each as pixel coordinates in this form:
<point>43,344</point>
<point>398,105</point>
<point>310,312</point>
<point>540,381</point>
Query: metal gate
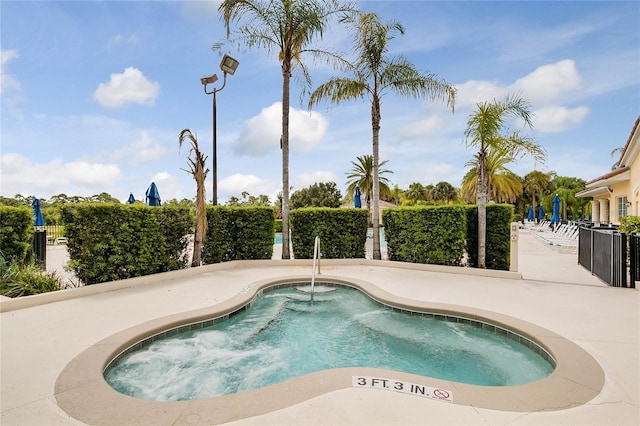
<point>604,253</point>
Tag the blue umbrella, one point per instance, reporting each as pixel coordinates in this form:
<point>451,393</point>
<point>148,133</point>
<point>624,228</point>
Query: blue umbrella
<point>356,198</point>
<point>131,200</point>
<point>38,220</point>
<point>530,216</point>
<point>555,217</point>
<point>153,196</point>
<point>540,212</point>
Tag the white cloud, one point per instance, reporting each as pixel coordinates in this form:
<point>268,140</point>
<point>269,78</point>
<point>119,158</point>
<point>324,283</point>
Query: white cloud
<point>8,82</point>
<point>21,175</point>
<point>234,185</point>
<point>555,118</point>
<point>548,82</point>
<point>423,128</point>
<point>140,151</point>
<point>305,180</point>
<point>170,187</point>
<point>131,86</point>
<point>545,84</point>
<point>262,132</point>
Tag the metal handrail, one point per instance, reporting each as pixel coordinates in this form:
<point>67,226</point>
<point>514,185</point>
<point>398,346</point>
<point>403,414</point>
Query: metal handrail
<point>316,258</point>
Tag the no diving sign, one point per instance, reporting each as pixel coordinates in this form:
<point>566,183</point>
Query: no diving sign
<point>403,387</point>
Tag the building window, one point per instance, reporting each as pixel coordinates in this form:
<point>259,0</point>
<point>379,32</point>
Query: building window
<point>622,206</point>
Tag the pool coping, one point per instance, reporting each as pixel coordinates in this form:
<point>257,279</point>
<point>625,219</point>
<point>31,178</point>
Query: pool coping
<point>82,392</point>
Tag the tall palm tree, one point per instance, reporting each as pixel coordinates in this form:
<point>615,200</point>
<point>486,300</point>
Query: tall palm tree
<point>199,173</point>
<point>287,27</point>
<point>373,74</point>
<point>484,132</point>
<point>361,174</point>
<point>503,185</point>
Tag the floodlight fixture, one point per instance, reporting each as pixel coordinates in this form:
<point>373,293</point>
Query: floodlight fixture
<point>229,65</point>
<point>209,80</point>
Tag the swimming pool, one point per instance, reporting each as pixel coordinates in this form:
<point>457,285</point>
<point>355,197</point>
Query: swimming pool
<point>284,335</point>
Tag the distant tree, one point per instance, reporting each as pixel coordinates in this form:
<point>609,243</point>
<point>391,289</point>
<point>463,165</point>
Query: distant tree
<point>537,185</point>
<point>374,74</point>
<point>249,200</point>
<point>415,193</point>
<point>361,175</point>
<point>103,197</point>
<point>396,195</point>
<point>444,192</point>
<point>323,194</point>
<point>484,132</point>
<point>11,202</point>
<point>199,173</point>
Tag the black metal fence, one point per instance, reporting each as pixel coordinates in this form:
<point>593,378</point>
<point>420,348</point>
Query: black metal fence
<point>603,251</point>
<point>634,259</point>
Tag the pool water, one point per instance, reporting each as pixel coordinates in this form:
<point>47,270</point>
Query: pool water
<point>284,335</point>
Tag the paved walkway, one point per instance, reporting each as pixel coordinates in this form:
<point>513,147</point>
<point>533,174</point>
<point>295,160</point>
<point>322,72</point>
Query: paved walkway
<point>38,341</point>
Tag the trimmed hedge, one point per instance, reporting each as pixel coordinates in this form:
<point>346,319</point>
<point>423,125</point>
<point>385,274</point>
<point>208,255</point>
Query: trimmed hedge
<point>108,242</point>
<point>16,234</point>
<point>425,234</point>
<point>498,249</point>
<point>342,232</point>
<point>239,233</point>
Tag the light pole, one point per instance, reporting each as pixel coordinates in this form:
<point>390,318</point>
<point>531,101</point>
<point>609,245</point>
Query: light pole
<point>228,66</point>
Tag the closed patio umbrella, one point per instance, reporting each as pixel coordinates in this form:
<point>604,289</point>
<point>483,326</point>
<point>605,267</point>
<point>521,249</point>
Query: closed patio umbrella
<point>356,198</point>
<point>530,216</point>
<point>131,199</point>
<point>38,220</point>
<point>540,212</point>
<point>153,196</point>
<point>555,216</point>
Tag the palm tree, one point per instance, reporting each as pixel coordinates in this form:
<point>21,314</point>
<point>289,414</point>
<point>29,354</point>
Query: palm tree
<point>444,192</point>
<point>503,185</point>
<point>416,192</point>
<point>396,195</point>
<point>362,175</point>
<point>537,183</point>
<point>287,27</point>
<point>199,173</point>
<point>373,74</point>
<point>483,132</point>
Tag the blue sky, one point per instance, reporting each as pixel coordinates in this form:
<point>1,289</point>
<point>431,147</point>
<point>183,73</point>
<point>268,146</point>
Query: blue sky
<point>94,95</point>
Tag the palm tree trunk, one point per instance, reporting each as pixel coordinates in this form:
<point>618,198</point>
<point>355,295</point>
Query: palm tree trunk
<point>481,200</point>
<point>286,77</point>
<point>375,123</point>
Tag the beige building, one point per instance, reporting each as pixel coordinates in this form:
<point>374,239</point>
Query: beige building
<point>617,193</point>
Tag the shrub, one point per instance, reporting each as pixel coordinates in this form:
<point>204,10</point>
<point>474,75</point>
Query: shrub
<point>498,248</point>
<point>425,234</point>
<point>109,242</point>
<point>239,233</point>
<point>342,232</point>
<point>18,280</point>
<point>16,233</point>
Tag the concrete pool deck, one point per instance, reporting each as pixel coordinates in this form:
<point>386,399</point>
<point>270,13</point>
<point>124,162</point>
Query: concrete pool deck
<point>41,335</point>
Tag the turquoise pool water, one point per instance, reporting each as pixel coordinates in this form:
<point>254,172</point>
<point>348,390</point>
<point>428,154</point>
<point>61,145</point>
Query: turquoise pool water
<point>283,335</point>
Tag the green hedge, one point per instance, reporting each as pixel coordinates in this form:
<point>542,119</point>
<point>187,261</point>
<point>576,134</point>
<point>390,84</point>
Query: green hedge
<point>239,233</point>
<point>425,234</point>
<point>342,232</point>
<point>498,249</point>
<point>16,234</point>
<point>108,242</point>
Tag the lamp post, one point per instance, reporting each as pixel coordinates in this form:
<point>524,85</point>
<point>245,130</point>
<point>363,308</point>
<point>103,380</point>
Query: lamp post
<point>228,66</point>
